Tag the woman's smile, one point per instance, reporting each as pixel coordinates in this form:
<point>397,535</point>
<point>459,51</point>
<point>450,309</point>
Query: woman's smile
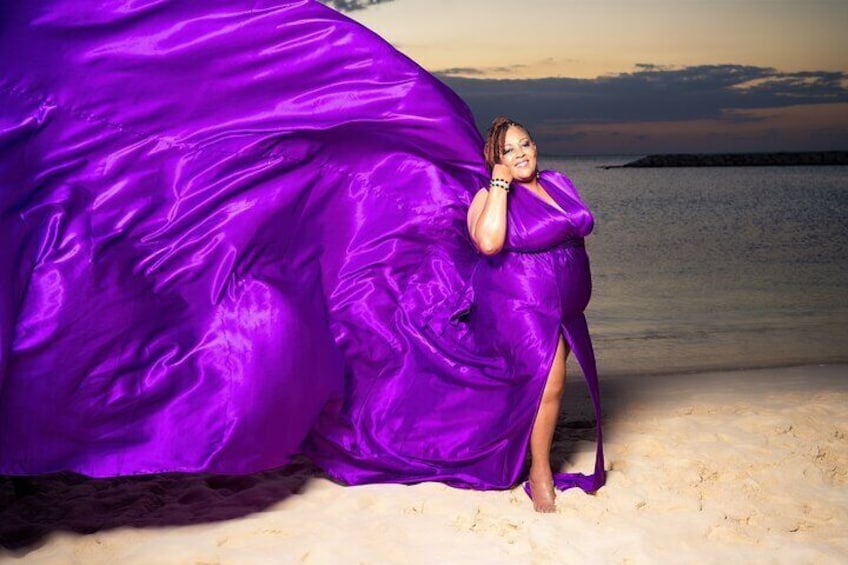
<point>519,154</point>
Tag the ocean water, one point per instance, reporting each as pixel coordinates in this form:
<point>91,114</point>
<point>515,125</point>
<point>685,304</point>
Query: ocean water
<point>714,268</point>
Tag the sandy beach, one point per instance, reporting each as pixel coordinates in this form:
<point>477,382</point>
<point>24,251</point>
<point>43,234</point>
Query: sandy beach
<point>731,466</point>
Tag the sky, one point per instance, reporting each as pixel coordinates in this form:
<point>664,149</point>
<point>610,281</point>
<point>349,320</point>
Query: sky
<point>637,76</point>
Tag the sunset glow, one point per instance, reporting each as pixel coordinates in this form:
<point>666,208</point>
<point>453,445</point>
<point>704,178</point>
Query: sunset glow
<point>795,53</point>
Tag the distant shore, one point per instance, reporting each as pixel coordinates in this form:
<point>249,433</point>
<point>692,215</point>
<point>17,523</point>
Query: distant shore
<point>781,159</point>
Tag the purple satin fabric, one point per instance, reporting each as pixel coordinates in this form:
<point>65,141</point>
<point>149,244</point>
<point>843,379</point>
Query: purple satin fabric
<point>235,232</point>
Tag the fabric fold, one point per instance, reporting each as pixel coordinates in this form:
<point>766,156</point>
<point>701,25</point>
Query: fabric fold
<point>247,220</point>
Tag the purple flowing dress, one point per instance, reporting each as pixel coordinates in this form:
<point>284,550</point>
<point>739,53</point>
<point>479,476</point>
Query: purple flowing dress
<point>235,231</point>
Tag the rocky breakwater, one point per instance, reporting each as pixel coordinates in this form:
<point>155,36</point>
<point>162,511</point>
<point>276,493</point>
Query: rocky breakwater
<point>740,159</point>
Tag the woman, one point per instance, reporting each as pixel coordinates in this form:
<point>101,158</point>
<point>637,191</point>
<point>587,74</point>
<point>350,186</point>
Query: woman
<point>230,216</point>
<point>511,156</point>
<point>472,393</point>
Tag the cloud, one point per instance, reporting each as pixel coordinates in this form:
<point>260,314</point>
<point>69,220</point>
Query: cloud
<point>352,5</point>
<point>723,98</point>
<point>461,71</point>
<point>650,93</point>
<point>481,71</point>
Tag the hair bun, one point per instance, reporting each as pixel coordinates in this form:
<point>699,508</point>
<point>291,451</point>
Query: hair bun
<point>499,122</point>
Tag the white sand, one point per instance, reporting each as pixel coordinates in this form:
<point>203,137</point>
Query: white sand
<point>730,467</point>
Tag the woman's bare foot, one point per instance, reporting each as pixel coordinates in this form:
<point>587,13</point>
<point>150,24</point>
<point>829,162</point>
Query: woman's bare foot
<point>542,492</point>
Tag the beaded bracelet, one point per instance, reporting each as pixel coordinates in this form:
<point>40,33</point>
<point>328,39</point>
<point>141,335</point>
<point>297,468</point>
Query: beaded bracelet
<point>499,183</point>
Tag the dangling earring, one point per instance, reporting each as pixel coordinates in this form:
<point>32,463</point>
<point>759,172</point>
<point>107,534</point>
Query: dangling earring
<point>537,172</point>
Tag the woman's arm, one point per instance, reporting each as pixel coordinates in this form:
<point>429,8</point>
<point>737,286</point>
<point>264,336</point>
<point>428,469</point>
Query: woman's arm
<point>487,215</point>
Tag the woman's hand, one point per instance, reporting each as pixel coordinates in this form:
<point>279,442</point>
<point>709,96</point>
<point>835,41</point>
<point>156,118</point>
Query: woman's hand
<point>501,171</point>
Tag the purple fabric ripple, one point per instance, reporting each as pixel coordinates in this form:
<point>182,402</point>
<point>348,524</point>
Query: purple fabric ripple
<point>235,231</point>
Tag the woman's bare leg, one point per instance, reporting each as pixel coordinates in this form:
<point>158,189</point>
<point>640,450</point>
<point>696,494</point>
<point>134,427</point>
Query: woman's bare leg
<point>541,475</point>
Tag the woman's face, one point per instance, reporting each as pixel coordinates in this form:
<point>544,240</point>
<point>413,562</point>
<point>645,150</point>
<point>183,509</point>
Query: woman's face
<point>519,154</point>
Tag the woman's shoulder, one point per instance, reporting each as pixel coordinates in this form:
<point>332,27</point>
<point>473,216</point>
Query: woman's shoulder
<point>559,181</point>
<point>555,176</point>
